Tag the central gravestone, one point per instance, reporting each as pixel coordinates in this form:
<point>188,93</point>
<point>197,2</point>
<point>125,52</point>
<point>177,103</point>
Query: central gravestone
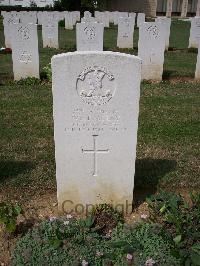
<point>96,107</point>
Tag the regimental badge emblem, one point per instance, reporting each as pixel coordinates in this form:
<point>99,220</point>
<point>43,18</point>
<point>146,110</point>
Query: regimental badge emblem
<point>153,31</point>
<point>24,32</point>
<point>90,33</point>
<point>96,85</point>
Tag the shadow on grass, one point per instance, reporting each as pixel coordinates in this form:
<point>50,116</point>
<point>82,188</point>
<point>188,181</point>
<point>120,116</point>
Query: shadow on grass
<point>167,74</point>
<point>9,169</point>
<point>148,172</point>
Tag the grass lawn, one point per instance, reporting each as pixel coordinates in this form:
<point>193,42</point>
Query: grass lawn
<point>167,150</point>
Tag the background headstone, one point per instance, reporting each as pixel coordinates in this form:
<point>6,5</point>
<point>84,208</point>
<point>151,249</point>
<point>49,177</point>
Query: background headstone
<point>151,47</point>
<point>125,32</point>
<point>96,107</point>
<point>9,18</point>
<point>89,36</point>
<point>198,9</point>
<point>140,19</point>
<point>25,54</point>
<point>194,32</point>
<point>166,27</point>
<point>197,72</point>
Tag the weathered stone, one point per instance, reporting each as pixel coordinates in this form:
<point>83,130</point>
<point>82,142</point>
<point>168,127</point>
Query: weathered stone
<point>140,19</point>
<point>194,32</point>
<point>197,72</point>
<point>25,54</point>
<point>151,49</point>
<point>166,27</point>
<point>96,107</point>
<point>89,36</point>
<point>125,32</point>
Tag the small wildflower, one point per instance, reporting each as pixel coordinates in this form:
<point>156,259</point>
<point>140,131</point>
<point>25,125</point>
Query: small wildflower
<point>143,216</point>
<point>129,256</point>
<point>150,262</point>
<point>84,263</point>
<point>99,254</point>
<point>69,216</point>
<point>66,222</point>
<point>53,218</point>
<point>108,235</point>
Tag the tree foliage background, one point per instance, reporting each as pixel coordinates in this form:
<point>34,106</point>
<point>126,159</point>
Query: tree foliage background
<point>82,5</point>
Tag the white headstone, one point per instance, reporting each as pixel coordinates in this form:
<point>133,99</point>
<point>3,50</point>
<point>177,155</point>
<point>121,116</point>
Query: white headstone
<point>198,9</point>
<point>87,14</point>
<point>25,54</point>
<point>49,23</point>
<point>88,20</point>
<point>166,26</point>
<point>9,18</point>
<point>197,72</point>
<point>140,19</point>
<point>184,8</point>
<point>151,49</point>
<point>69,21</point>
<point>28,17</point>
<point>89,36</point>
<point>96,107</point>
<point>132,15</point>
<point>125,32</point>
<point>194,32</point>
<point>169,8</point>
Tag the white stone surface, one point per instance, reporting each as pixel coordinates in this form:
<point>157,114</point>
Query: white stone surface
<point>198,9</point>
<point>125,32</point>
<point>197,72</point>
<point>9,18</point>
<point>166,26</point>
<point>95,108</point>
<point>69,21</point>
<point>49,22</point>
<point>151,47</point>
<point>140,19</point>
<point>169,8</point>
<point>87,14</point>
<point>132,15</point>
<point>88,20</point>
<point>89,36</point>
<point>28,17</point>
<point>194,32</point>
<point>118,15</point>
<point>25,54</point>
<point>184,8</point>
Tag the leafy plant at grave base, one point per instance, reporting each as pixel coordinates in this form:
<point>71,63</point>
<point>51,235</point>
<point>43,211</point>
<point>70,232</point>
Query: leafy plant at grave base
<point>182,220</point>
<point>47,72</point>
<point>8,215</point>
<point>62,242</point>
<point>30,81</point>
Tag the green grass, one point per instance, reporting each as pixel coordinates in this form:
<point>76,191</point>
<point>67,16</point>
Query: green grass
<point>168,136</point>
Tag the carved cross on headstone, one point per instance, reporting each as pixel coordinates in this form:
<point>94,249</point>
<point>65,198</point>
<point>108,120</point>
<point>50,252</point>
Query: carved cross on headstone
<point>95,152</point>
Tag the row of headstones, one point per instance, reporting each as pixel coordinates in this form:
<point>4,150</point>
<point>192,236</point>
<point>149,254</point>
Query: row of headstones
<point>20,31</point>
<point>48,20</point>
<point>153,41</point>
